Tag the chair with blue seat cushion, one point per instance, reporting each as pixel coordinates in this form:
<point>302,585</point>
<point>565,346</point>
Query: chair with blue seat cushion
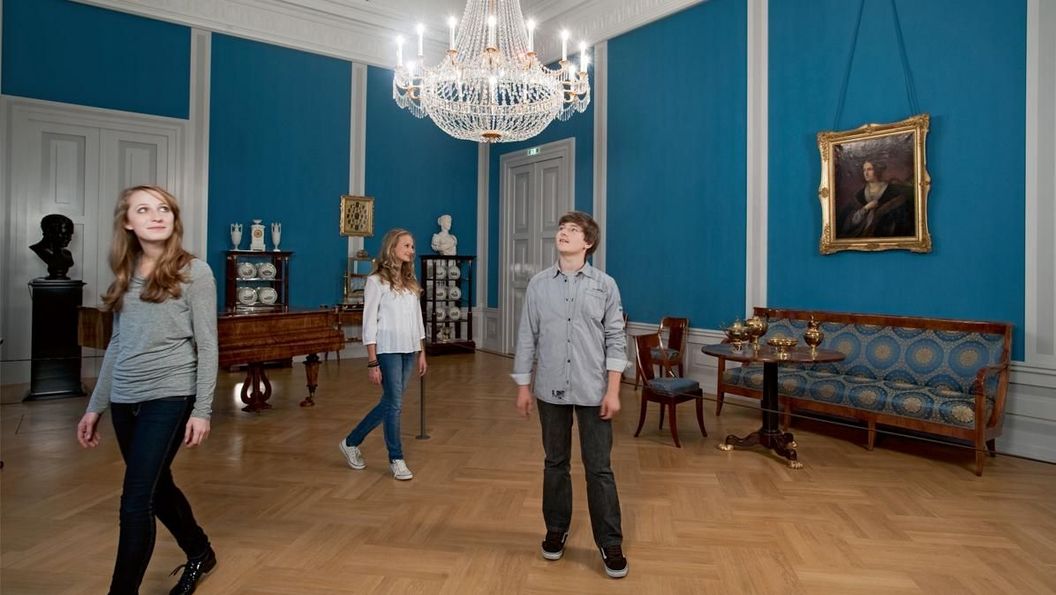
<point>666,390</point>
<point>669,355</point>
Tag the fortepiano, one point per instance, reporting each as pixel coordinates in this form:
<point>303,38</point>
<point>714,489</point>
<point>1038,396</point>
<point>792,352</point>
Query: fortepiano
<point>251,339</point>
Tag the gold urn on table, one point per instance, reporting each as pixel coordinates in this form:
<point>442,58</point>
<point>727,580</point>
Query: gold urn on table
<point>737,333</point>
<point>813,336</point>
<point>756,328</point>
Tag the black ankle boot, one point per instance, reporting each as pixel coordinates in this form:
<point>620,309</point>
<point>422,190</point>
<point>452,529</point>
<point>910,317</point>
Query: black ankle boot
<point>193,571</point>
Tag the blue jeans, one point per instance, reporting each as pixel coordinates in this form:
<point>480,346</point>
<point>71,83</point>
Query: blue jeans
<point>595,446</point>
<point>149,434</point>
<point>396,371</point>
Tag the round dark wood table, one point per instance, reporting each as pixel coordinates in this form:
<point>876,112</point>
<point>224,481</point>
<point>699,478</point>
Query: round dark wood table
<point>769,435</point>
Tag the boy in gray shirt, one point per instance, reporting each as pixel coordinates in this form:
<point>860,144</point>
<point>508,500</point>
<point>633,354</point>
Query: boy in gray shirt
<point>572,329</point>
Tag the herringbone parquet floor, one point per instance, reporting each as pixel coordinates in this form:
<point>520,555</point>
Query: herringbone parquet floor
<point>287,516</point>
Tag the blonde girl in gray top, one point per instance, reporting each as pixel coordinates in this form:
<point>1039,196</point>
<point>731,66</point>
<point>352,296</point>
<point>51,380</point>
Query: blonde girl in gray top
<point>157,378</point>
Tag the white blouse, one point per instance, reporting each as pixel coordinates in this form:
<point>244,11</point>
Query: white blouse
<point>391,320</point>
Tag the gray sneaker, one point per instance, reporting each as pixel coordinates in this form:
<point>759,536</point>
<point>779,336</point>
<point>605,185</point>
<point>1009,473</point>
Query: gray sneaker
<point>353,456</point>
<point>400,470</point>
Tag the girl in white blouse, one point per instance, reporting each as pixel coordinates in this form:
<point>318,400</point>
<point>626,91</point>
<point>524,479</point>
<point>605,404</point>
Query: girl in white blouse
<point>393,333</point>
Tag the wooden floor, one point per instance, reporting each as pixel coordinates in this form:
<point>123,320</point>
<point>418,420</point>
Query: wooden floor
<point>286,515</point>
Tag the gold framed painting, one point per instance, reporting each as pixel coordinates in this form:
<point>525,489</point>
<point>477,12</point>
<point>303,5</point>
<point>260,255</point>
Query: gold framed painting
<point>357,216</point>
<point>874,187</point>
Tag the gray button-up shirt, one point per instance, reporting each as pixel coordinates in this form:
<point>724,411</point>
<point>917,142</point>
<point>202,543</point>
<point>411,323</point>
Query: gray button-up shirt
<point>572,329</point>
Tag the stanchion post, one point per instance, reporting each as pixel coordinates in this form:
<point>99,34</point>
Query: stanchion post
<point>421,410</point>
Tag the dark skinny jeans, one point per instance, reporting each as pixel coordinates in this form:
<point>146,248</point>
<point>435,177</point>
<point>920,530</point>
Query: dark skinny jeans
<point>149,434</point>
<point>595,446</point>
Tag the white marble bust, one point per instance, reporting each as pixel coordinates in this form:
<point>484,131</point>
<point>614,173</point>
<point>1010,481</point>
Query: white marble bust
<point>443,242</point>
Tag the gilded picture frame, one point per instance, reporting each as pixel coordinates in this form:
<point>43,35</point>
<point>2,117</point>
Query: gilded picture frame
<point>874,187</point>
<point>357,216</point>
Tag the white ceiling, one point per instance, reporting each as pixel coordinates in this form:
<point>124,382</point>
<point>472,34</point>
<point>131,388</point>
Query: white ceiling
<point>437,11</point>
<point>364,30</point>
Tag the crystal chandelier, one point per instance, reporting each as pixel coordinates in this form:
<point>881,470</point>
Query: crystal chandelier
<point>490,87</point>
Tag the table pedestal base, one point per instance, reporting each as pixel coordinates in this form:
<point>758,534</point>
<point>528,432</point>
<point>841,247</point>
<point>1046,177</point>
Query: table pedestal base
<point>769,435</point>
<point>780,442</point>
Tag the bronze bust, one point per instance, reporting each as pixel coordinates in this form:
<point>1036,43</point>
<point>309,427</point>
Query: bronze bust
<point>58,231</point>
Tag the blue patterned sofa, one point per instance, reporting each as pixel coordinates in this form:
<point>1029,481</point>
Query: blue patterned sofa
<point>932,375</point>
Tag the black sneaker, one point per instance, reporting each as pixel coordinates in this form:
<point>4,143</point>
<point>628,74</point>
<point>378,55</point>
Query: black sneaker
<point>193,571</point>
<point>554,544</point>
<point>615,563</point>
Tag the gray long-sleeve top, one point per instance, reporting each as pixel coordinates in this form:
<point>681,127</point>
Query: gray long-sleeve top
<point>572,329</point>
<point>163,350</point>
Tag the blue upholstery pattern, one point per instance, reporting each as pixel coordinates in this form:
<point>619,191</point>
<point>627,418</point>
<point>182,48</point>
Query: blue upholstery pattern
<point>658,354</point>
<point>673,386</point>
<point>947,360</point>
<point>938,404</point>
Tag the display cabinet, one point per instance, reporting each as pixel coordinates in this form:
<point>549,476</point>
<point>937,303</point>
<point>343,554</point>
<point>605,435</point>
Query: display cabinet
<point>257,281</point>
<point>447,303</point>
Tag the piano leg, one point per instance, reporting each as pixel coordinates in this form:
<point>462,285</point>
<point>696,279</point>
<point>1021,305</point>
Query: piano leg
<point>256,389</point>
<point>311,372</point>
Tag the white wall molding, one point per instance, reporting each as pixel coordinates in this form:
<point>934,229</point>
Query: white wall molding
<point>601,148</point>
<point>364,34</point>
<point>1030,422</point>
<point>1026,375</point>
<point>196,150</point>
<point>357,143</point>
<point>5,193</point>
<point>1040,245</point>
<point>483,177</point>
<point>364,31</point>
<point>490,333</point>
<point>600,20</point>
<point>757,158</point>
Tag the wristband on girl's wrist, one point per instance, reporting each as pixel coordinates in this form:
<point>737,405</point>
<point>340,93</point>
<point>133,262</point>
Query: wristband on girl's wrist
<point>373,363</point>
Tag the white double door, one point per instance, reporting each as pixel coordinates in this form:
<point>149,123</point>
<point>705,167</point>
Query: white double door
<point>537,189</point>
<point>71,161</point>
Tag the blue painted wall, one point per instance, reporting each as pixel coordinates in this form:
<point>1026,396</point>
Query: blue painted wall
<point>969,67</point>
<point>278,151</point>
<point>416,172</point>
<point>581,128</point>
<point>676,169</point>
<point>69,52</point>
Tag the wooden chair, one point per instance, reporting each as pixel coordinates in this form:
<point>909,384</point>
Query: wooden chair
<point>668,391</point>
<point>671,355</point>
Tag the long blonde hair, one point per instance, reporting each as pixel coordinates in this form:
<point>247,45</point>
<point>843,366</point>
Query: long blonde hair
<point>399,275</point>
<point>125,249</point>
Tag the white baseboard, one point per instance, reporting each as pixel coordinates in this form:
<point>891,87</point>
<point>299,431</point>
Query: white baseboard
<point>1030,414</point>
<point>488,333</point>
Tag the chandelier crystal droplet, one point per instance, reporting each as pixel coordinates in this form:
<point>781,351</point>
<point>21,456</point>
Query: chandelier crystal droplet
<point>490,87</point>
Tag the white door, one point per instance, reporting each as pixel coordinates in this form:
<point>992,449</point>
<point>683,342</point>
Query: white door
<point>537,189</point>
<point>71,161</point>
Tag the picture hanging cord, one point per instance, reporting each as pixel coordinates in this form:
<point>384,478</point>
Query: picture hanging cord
<point>911,92</point>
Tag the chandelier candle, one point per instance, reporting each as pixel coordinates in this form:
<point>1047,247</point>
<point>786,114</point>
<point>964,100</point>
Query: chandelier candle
<point>491,87</point>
